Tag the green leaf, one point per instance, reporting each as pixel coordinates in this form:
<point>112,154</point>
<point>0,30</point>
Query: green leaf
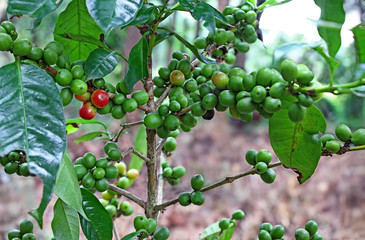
<point>31,119</point>
<point>135,235</point>
<point>100,226</point>
<point>359,36</point>
<point>65,223</point>
<point>100,63</point>
<point>211,232</point>
<point>162,37</point>
<point>191,47</point>
<point>89,136</point>
<point>331,62</point>
<point>331,11</point>
<point>77,20</point>
<point>205,12</point>
<point>142,16</point>
<point>140,145</point>
<point>228,233</point>
<point>67,186</point>
<point>296,144</point>
<point>83,38</point>
<point>137,64</point>
<point>109,14</point>
<point>188,4</point>
<point>77,121</point>
<point>35,8</point>
<point>271,3</point>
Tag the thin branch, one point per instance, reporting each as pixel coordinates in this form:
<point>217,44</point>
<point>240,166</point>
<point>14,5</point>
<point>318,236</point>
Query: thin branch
<point>160,146</point>
<point>163,96</point>
<point>134,151</point>
<point>216,184</point>
<point>184,110</point>
<point>116,231</point>
<point>124,127</point>
<point>144,108</point>
<point>346,148</point>
<point>128,195</point>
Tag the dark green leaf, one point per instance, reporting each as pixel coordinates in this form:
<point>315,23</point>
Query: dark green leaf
<point>188,4</point>
<point>191,47</point>
<point>331,11</point>
<point>109,14</point>
<point>77,20</point>
<point>137,64</point>
<point>100,63</point>
<point>296,144</point>
<point>359,36</point>
<point>35,8</point>
<point>89,136</point>
<point>270,3</point>
<point>205,12</point>
<point>31,119</point>
<point>134,235</point>
<point>65,223</point>
<point>71,194</point>
<point>100,226</point>
<point>162,37</point>
<point>83,38</point>
<point>142,16</point>
<point>140,145</point>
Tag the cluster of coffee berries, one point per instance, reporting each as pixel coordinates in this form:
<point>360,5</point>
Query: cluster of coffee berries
<point>15,162</point>
<point>260,161</point>
<point>25,231</point>
<point>126,176</point>
<point>225,223</point>
<point>236,36</point>
<point>111,203</point>
<point>299,75</point>
<point>147,227</point>
<point>172,175</point>
<point>269,232</point>
<point>309,232</point>
<point>344,134</point>
<point>196,197</point>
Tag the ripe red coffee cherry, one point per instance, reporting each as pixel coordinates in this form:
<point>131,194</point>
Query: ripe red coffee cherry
<point>87,111</point>
<point>100,98</point>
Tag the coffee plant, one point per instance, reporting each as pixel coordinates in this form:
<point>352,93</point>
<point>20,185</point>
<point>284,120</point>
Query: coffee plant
<point>41,82</point>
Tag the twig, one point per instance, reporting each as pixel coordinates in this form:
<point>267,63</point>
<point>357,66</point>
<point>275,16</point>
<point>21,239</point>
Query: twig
<point>184,110</point>
<point>134,151</point>
<point>144,108</point>
<point>160,145</point>
<point>124,127</point>
<point>115,231</point>
<point>216,184</point>
<point>128,195</point>
<point>163,96</point>
<point>343,150</point>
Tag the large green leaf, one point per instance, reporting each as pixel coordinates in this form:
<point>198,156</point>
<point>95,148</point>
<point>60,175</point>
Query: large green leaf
<point>140,145</point>
<point>142,16</point>
<point>271,3</point>
<point>100,63</point>
<point>65,223</point>
<point>67,186</point>
<point>76,20</point>
<point>109,14</point>
<point>31,119</point>
<point>137,64</point>
<point>331,11</point>
<point>296,144</point>
<point>72,125</point>
<point>35,8</point>
<point>100,226</point>
<point>359,36</point>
